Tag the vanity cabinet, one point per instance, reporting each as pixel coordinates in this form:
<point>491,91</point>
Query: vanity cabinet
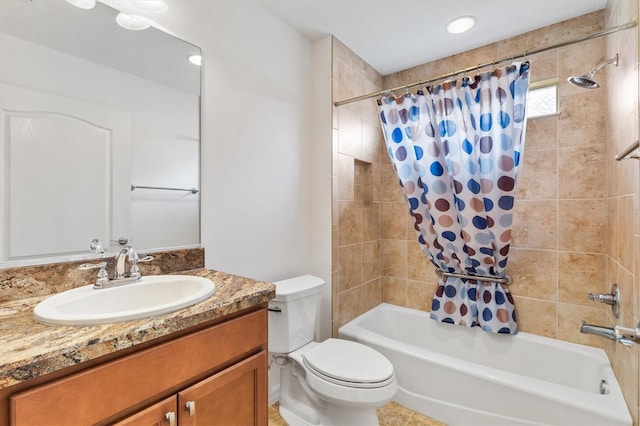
<point>227,398</point>
<point>214,376</point>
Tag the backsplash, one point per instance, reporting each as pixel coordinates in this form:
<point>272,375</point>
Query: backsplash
<point>40,280</point>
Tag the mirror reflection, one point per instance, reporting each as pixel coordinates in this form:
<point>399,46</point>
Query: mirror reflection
<point>99,134</point>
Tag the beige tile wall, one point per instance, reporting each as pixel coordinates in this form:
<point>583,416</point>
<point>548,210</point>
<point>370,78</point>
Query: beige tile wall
<point>357,144</point>
<point>622,187</point>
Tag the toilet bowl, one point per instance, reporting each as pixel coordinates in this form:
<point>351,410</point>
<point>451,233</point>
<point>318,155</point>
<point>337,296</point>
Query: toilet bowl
<point>334,382</point>
<point>345,372</point>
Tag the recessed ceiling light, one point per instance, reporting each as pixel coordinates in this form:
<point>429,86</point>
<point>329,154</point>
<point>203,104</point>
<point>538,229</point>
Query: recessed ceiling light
<point>153,6</point>
<point>131,22</point>
<point>83,4</point>
<point>195,59</point>
<point>461,24</point>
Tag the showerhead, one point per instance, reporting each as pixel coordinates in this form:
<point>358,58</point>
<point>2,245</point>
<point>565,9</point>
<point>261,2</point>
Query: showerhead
<point>586,81</point>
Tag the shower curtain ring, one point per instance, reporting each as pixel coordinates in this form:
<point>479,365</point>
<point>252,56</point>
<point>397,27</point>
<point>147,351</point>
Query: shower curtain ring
<point>465,74</point>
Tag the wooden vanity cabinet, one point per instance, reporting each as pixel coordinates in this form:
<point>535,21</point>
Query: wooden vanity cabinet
<point>230,397</point>
<point>213,376</point>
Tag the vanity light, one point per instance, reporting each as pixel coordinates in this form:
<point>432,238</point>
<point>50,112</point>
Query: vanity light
<point>195,59</point>
<point>83,4</point>
<point>131,22</point>
<point>461,24</point>
<point>152,6</point>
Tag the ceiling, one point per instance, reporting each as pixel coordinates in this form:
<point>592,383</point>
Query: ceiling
<point>93,35</point>
<point>393,35</point>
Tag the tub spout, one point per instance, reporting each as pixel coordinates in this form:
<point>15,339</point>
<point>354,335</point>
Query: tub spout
<point>606,332</point>
<point>625,335</point>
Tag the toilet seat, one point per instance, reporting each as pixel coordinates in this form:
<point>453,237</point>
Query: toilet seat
<point>373,385</point>
<point>349,364</point>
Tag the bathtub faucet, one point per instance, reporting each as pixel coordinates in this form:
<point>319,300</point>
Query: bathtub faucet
<point>625,335</point>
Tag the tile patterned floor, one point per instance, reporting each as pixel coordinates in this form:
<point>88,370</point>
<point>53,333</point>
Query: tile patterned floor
<point>391,414</point>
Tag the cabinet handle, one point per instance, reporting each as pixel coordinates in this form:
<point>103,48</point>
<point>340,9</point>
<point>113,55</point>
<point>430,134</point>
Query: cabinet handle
<point>171,418</point>
<point>191,406</point>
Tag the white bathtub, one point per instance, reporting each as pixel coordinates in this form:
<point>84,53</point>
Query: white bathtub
<point>464,376</point>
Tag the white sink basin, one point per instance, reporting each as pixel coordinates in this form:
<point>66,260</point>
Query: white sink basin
<point>153,295</point>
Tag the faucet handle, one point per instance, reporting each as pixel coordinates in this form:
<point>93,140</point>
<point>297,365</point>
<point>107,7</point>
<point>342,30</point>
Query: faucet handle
<point>87,266</point>
<point>135,270</point>
<point>103,275</point>
<point>133,256</point>
<point>612,299</point>
<point>607,298</point>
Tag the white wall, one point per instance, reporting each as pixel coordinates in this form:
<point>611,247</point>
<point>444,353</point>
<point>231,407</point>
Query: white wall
<point>266,144</point>
<point>265,187</point>
<point>321,163</point>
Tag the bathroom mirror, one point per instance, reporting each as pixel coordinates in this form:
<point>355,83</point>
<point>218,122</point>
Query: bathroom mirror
<point>94,119</point>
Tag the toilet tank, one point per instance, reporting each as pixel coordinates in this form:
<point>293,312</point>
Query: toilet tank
<point>292,314</point>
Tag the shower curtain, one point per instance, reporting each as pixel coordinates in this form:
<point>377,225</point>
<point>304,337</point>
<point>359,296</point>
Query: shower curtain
<point>456,148</point>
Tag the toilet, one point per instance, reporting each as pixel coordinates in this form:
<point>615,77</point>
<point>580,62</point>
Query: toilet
<point>334,382</point>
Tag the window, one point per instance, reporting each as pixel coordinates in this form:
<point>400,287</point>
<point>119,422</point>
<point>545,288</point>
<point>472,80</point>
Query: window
<point>543,98</point>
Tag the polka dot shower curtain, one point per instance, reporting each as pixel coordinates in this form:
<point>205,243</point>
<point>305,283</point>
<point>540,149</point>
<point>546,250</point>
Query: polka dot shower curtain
<point>456,148</point>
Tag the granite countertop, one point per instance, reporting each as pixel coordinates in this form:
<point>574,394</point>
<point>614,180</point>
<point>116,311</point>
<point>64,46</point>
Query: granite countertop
<point>29,349</point>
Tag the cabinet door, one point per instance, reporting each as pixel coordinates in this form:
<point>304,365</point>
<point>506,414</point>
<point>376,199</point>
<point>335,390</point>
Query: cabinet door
<point>235,396</point>
<point>163,413</point>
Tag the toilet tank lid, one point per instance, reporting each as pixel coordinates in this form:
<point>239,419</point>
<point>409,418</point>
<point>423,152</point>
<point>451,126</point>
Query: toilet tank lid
<point>297,287</point>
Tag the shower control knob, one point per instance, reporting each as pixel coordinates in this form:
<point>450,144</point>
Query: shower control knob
<point>607,298</point>
<point>612,299</point>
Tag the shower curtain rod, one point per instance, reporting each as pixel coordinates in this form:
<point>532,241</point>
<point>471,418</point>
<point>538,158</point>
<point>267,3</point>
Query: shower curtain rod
<point>524,55</point>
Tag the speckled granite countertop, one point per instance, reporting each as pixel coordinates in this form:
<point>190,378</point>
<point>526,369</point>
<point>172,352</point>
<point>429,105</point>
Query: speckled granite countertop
<point>29,349</point>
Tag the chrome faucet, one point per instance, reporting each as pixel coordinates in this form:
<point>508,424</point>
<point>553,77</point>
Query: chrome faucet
<point>119,276</point>
<point>606,332</point>
<point>625,335</point>
<point>120,258</point>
